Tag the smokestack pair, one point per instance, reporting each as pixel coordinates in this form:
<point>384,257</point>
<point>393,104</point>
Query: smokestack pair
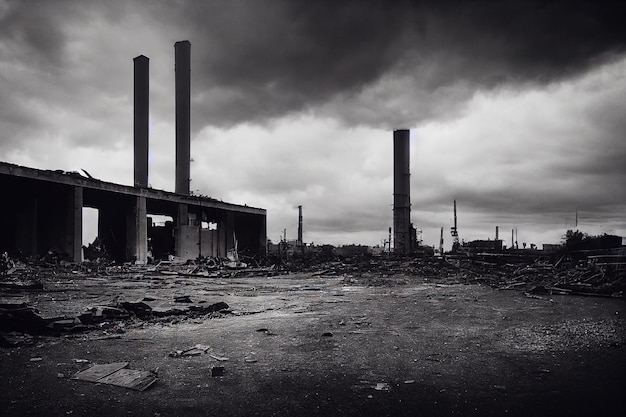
<point>183,117</point>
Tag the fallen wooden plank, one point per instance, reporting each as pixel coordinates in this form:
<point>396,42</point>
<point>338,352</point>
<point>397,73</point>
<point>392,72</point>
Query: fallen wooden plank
<point>97,372</point>
<point>116,374</point>
<point>130,378</point>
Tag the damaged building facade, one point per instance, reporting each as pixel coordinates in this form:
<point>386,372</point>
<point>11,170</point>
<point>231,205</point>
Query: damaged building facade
<point>46,210</point>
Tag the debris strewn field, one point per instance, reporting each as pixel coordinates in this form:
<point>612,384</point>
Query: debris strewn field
<point>352,337</point>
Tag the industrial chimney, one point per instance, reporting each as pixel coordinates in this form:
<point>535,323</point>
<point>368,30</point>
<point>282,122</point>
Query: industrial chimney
<point>401,191</point>
<point>183,115</point>
<point>299,226</point>
<point>140,119</point>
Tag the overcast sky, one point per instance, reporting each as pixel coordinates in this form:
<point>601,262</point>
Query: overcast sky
<point>517,109</point>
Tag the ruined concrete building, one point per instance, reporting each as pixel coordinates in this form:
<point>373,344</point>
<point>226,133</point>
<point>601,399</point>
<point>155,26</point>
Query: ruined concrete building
<point>45,211</point>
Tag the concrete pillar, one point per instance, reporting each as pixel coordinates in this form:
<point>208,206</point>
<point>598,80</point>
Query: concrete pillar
<point>183,115</point>
<point>230,230</point>
<point>74,224</point>
<point>141,116</point>
<point>401,191</point>
<point>137,231</point>
<point>222,247</point>
<point>187,236</point>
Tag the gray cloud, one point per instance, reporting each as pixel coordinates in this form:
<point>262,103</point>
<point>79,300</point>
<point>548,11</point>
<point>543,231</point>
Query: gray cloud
<point>354,60</point>
<point>268,59</point>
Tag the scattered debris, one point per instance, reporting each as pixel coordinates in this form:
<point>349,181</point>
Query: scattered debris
<point>196,350</point>
<point>116,374</point>
<point>382,386</point>
<point>24,319</point>
<point>217,371</point>
<point>218,358</point>
<point>266,331</point>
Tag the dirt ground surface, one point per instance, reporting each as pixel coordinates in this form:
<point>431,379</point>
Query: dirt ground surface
<point>299,344</point>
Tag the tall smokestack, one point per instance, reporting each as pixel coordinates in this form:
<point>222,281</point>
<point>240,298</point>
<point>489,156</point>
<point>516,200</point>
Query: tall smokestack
<point>441,242</point>
<point>183,115</point>
<point>455,225</point>
<point>497,233</point>
<point>140,119</point>
<point>299,225</point>
<point>401,191</point>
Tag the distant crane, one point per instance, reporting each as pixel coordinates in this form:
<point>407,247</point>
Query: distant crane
<point>455,233</point>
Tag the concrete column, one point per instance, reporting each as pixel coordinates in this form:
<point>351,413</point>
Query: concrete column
<point>230,230</point>
<point>74,224</point>
<point>141,119</point>
<point>183,115</point>
<point>187,236</point>
<point>137,231</point>
<point>222,226</point>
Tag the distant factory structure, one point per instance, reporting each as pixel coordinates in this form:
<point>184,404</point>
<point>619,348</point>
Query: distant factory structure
<point>45,210</point>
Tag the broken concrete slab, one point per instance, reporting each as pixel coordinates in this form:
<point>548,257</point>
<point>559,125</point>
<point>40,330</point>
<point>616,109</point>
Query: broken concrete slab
<point>162,310</point>
<point>116,374</point>
<point>96,372</point>
<point>130,378</point>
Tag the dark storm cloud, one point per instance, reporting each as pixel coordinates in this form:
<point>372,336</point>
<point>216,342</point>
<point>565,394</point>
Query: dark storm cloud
<point>264,59</point>
<point>258,60</point>
<point>34,27</point>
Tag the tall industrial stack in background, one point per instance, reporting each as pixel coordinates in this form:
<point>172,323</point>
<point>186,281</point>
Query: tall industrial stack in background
<point>299,243</point>
<point>401,192</point>
<point>140,119</point>
<point>183,115</point>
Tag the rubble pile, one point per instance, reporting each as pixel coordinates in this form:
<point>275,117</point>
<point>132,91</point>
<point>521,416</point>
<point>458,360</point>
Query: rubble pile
<point>20,321</point>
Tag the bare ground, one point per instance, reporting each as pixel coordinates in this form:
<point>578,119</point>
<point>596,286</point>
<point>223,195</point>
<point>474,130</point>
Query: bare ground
<point>332,347</point>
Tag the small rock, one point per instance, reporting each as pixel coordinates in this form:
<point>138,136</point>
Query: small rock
<point>382,386</point>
